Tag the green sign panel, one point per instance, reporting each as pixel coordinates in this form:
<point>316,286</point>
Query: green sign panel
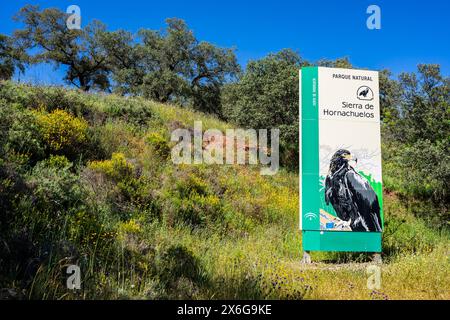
<point>341,205</point>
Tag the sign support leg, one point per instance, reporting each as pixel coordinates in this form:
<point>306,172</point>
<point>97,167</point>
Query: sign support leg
<point>306,259</point>
<point>376,258</point>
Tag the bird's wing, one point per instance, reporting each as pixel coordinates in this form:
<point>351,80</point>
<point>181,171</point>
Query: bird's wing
<point>340,198</point>
<point>365,199</point>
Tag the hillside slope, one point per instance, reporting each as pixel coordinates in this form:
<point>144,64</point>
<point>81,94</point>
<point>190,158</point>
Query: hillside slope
<point>87,179</point>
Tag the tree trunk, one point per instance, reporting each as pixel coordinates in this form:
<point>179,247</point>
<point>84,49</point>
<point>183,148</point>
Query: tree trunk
<point>83,84</point>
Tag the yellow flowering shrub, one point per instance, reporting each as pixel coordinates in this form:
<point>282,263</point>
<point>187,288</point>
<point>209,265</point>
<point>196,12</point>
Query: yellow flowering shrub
<point>61,131</point>
<point>133,189</point>
<point>128,228</point>
<point>117,168</point>
<point>159,145</point>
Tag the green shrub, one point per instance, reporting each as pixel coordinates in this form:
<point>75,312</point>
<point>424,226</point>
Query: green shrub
<point>58,98</point>
<point>179,272</point>
<point>426,168</point>
<point>110,137</point>
<point>198,211</point>
<point>53,213</point>
<point>191,202</point>
<point>87,231</point>
<point>190,185</point>
<point>13,93</point>
<point>12,188</point>
<point>132,191</point>
<point>416,136</point>
<point>402,236</point>
<point>130,111</point>
<point>159,145</point>
<point>20,133</point>
<point>46,98</point>
<point>55,189</point>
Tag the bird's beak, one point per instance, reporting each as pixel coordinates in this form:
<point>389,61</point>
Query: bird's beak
<point>352,161</point>
<point>348,157</point>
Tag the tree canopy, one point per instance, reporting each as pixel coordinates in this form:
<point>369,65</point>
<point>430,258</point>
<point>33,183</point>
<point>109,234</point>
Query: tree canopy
<point>11,58</point>
<point>78,50</point>
<point>417,132</point>
<point>170,65</point>
<point>266,96</point>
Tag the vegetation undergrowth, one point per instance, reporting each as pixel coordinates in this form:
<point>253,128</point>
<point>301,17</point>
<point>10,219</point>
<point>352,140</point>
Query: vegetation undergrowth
<point>87,179</point>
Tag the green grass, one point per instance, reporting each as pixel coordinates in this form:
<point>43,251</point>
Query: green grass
<point>143,228</point>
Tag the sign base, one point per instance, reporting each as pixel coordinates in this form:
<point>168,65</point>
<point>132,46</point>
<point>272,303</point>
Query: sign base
<point>313,240</point>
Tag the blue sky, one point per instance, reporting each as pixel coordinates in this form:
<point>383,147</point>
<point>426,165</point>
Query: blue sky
<point>412,32</point>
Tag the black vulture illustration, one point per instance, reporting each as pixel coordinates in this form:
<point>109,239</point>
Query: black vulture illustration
<point>351,195</point>
<point>364,92</point>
